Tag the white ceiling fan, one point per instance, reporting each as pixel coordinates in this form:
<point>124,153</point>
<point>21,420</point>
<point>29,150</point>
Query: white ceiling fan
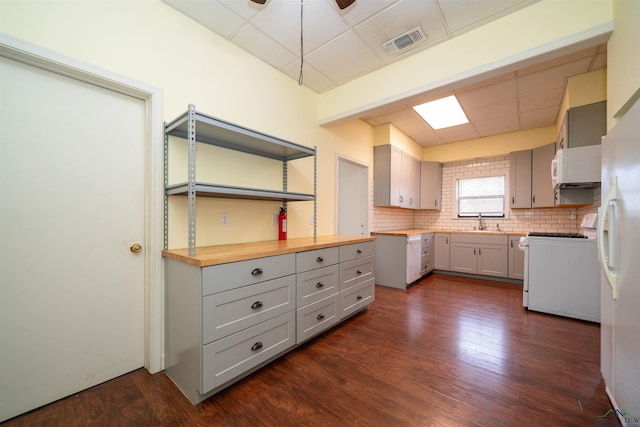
<point>342,4</point>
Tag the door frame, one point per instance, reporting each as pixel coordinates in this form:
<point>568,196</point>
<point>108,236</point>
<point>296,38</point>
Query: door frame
<point>42,58</point>
<point>364,170</point>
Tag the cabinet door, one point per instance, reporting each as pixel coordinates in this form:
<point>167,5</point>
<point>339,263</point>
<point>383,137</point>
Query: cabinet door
<point>442,251</point>
<point>410,185</point>
<point>493,260</point>
<point>542,194</point>
<point>587,124</point>
<point>520,179</point>
<point>516,259</point>
<point>430,185</point>
<point>464,257</point>
<point>387,175</point>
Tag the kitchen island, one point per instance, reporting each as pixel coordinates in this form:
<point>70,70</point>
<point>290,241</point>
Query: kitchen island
<point>231,309</point>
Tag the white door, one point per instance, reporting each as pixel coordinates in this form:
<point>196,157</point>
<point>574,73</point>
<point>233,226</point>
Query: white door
<point>353,197</point>
<point>71,205</point>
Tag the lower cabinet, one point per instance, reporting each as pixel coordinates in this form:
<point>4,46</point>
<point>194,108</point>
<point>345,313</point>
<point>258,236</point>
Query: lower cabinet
<point>479,254</point>
<point>225,321</point>
<point>442,251</point>
<point>516,259</point>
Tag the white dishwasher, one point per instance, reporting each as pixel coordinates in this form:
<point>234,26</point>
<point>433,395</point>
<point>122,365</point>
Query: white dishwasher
<point>414,258</point>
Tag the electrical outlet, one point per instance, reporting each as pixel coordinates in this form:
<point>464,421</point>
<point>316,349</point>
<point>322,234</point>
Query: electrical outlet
<point>224,219</point>
<point>311,220</point>
<point>274,219</point>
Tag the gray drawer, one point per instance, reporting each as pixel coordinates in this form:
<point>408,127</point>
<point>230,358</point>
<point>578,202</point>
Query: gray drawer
<point>355,272</point>
<point>228,312</point>
<point>357,297</point>
<point>317,284</point>
<point>357,251</point>
<point>317,317</point>
<point>227,358</point>
<point>310,260</point>
<point>219,278</point>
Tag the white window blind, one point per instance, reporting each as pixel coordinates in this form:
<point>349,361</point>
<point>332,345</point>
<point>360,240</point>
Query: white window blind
<point>481,196</point>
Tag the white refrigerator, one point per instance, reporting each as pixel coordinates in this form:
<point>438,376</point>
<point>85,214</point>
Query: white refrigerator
<point>619,253</point>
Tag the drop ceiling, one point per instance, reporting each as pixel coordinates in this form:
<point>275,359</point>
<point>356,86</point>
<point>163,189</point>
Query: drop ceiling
<point>342,45</point>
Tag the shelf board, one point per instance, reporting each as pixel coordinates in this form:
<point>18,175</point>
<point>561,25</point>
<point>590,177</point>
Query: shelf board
<point>210,130</point>
<point>224,191</point>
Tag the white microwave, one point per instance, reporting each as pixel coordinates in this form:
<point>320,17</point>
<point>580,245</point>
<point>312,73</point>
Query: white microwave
<point>577,167</point>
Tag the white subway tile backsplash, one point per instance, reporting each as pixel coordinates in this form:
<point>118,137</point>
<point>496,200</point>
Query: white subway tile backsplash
<point>518,220</point>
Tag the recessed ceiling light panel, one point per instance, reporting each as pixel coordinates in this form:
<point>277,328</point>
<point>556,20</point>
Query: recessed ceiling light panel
<point>442,113</point>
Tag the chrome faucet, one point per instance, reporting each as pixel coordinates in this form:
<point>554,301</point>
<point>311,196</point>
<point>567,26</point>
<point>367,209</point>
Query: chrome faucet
<point>481,224</point>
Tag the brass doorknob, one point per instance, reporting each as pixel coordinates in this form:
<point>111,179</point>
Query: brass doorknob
<point>135,248</point>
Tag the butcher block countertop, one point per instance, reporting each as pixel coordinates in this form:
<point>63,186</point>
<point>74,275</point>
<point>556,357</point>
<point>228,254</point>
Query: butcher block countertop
<point>222,254</point>
<point>414,231</point>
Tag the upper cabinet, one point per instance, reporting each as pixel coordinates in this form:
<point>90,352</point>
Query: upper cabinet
<point>430,185</point>
<point>584,125</point>
<point>396,177</point>
<point>530,178</point>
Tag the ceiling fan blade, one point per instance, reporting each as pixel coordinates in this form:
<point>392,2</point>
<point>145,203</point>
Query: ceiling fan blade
<point>343,4</point>
<point>259,1</point>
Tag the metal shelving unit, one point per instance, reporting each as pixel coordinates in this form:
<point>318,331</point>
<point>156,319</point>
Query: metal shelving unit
<point>197,127</point>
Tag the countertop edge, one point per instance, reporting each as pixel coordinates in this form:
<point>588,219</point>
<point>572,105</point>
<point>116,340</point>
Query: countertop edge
<point>415,231</point>
<point>221,254</point>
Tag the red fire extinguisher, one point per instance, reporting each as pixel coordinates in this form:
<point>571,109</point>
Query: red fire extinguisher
<point>282,224</point>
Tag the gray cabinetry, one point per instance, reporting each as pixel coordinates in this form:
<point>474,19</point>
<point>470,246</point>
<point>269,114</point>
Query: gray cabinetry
<point>225,321</point>
<point>541,186</point>
<point>583,125</point>
<point>441,251</point>
<point>479,254</point>
<point>318,288</point>
<point>220,327</point>
<point>430,185</point>
<point>520,179</point>
<point>530,183</point>
<point>516,259</point>
<point>357,277</point>
<point>428,254</point>
<point>195,127</point>
<point>396,177</point>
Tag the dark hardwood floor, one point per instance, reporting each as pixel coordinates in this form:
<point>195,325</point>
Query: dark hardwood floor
<point>446,352</point>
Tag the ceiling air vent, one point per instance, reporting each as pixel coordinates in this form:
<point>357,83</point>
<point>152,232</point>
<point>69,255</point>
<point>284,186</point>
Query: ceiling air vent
<point>405,41</point>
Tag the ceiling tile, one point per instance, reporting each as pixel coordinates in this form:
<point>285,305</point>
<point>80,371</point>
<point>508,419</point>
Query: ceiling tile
<point>551,78</point>
<point>458,133</point>
<point>491,111</point>
<point>244,9</point>
<point>497,125</point>
<point>259,45</point>
<point>281,20</point>
<point>344,58</point>
<point>540,100</point>
<point>361,10</point>
<point>539,118</point>
<point>398,19</point>
<point>211,14</point>
<point>311,77</point>
<point>485,95</point>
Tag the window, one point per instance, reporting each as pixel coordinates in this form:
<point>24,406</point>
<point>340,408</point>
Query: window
<point>481,195</point>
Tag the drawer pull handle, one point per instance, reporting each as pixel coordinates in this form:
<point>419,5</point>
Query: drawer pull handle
<point>319,285</point>
<point>358,272</point>
<point>256,271</point>
<point>319,259</point>
<point>256,305</point>
<point>256,346</point>
<point>359,297</point>
<point>358,251</point>
<point>320,316</point>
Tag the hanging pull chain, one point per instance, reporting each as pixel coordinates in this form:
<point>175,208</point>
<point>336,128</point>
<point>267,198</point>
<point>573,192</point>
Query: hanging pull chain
<point>301,42</point>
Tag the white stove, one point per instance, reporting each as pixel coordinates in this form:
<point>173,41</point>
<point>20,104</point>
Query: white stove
<point>562,273</point>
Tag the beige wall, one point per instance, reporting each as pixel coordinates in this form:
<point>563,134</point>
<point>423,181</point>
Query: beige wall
<point>151,42</point>
<point>623,58</point>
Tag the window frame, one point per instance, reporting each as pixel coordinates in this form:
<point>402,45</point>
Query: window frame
<point>475,214</point>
